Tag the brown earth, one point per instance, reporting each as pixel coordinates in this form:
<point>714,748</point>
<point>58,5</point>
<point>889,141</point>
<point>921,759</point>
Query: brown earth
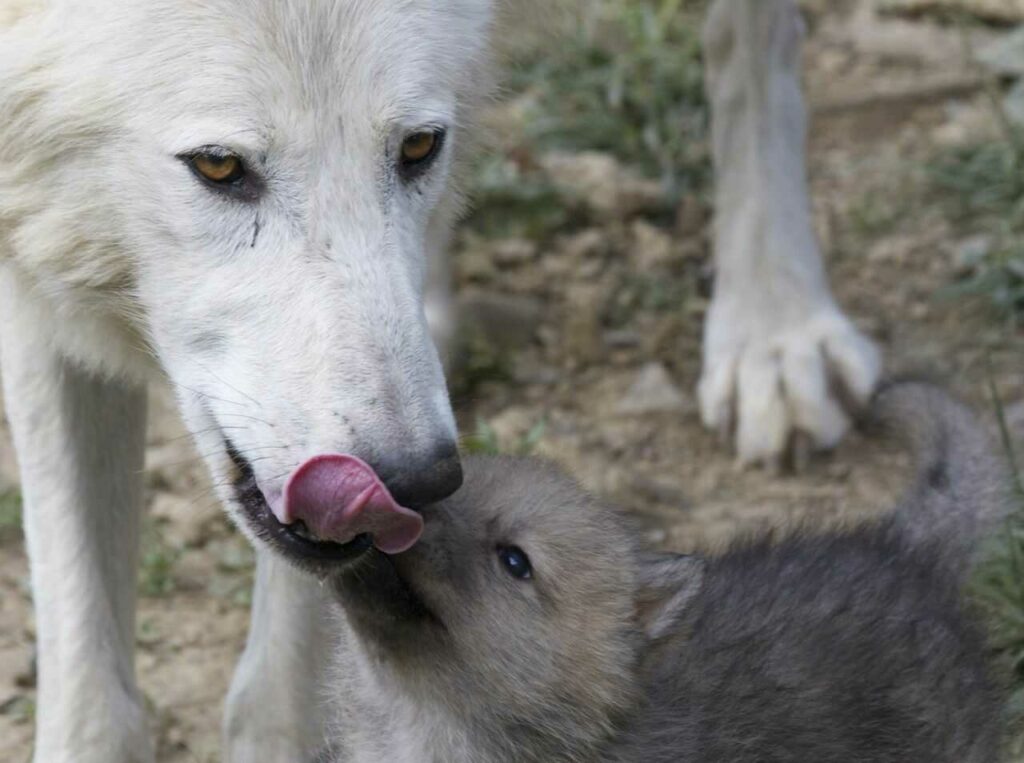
<point>885,98</point>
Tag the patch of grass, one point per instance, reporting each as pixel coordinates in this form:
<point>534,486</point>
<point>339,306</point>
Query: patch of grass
<point>485,440</point>
<point>480,361</point>
<point>626,79</point>
<point>510,202</point>
<point>997,589</point>
<point>156,571</point>
<point>21,708</point>
<point>985,187</point>
<point>649,292</point>
<point>875,213</point>
<point>10,513</point>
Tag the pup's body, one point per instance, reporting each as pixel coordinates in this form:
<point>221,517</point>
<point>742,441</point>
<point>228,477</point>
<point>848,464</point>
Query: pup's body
<point>840,646</point>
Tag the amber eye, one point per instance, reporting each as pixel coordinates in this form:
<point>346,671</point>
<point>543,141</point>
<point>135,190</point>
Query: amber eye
<point>216,168</point>
<point>418,146</point>
<point>418,150</point>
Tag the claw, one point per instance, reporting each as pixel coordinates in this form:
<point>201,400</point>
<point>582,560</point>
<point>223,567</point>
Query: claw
<point>791,394</point>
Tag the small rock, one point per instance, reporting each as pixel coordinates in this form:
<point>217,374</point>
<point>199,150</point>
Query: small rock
<point>512,425</point>
<point>590,269</point>
<point>839,471</point>
<point>26,677</point>
<point>691,216</point>
<point>656,536</point>
<point>638,196</point>
<point>583,341</point>
<point>622,339</point>
<point>894,249</point>
<point>600,182</point>
<point>175,737</point>
<point>919,311</point>
<point>652,391</point>
<point>474,260</point>
<point>999,11</point>
<point>892,39</point>
<point>970,252</point>
<point>1014,103</point>
<point>1005,56</point>
<point>659,491</point>
<point>590,176</point>
<point>592,242</point>
<point>652,247</point>
<point>186,524</point>
<point>507,320</point>
<point>514,252</point>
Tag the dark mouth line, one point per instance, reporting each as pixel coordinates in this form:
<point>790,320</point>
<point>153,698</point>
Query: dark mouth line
<point>282,537</point>
<point>377,572</point>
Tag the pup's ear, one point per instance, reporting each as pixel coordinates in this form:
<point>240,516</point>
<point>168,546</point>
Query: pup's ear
<point>667,584</point>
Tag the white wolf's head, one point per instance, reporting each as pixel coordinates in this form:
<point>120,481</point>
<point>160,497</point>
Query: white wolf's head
<point>248,188</point>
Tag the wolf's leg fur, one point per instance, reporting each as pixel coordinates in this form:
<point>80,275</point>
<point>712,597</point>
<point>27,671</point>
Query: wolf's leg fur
<point>776,345</point>
<point>80,441</point>
<point>274,711</point>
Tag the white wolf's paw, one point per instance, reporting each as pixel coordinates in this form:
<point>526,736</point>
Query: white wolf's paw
<point>778,384</point>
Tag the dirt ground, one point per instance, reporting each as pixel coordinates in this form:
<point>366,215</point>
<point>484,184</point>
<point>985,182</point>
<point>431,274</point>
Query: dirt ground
<point>885,96</point>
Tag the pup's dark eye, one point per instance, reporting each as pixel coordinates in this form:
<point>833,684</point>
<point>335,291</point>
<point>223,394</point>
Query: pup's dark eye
<point>516,562</point>
<point>222,169</point>
<point>419,150</point>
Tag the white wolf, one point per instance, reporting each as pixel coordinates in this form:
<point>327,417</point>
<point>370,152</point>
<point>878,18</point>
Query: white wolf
<point>242,196</point>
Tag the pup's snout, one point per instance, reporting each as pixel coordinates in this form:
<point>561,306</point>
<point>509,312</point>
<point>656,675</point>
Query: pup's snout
<point>418,478</point>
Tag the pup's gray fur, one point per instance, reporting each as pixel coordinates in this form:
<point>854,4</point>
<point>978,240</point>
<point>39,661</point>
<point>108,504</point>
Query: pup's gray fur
<point>840,646</point>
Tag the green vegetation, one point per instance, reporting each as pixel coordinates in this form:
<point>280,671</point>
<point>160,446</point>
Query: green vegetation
<point>985,185</point>
<point>485,440</point>
<point>626,79</point>
<point>10,513</point>
<point>997,589</point>
<point>156,572</point>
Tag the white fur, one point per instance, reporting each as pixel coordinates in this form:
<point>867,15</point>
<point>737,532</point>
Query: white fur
<point>294,324</point>
<point>775,343</point>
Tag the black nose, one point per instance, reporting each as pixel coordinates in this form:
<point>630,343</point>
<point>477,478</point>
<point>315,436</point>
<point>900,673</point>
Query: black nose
<point>421,477</point>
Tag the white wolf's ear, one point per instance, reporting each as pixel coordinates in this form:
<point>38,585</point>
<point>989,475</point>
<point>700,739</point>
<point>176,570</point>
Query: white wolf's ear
<point>667,584</point>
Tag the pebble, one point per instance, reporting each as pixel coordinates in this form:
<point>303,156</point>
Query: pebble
<point>652,391</point>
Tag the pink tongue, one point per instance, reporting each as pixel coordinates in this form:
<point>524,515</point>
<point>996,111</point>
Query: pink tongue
<point>339,497</point>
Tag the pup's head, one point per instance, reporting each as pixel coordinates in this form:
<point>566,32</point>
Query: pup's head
<point>524,608</point>
<point>248,190</point>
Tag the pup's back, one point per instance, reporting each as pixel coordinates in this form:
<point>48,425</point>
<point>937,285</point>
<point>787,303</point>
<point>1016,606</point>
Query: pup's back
<point>850,646</point>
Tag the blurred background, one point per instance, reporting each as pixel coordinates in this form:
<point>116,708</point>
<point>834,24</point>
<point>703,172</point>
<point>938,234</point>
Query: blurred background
<point>584,272</point>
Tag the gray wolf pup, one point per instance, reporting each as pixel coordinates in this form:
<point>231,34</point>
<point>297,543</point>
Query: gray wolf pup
<point>527,625</point>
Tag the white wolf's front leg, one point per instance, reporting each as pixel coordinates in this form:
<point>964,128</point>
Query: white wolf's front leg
<point>777,349</point>
<point>275,711</point>
<point>80,442</point>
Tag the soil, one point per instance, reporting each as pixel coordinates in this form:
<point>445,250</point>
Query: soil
<point>595,313</point>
